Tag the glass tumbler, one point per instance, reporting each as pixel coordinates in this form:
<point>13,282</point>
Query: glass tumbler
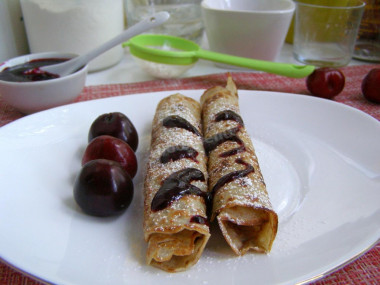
<point>325,31</point>
<point>185,16</point>
<point>368,42</point>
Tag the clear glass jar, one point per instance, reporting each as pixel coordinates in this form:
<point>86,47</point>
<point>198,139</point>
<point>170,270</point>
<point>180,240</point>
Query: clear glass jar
<point>74,26</point>
<point>367,45</point>
<point>185,17</point>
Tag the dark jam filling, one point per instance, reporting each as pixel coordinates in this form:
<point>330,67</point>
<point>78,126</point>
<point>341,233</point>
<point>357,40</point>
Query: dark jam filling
<point>30,71</point>
<point>174,153</point>
<point>199,220</point>
<point>234,151</point>
<point>176,186</point>
<point>233,175</point>
<point>213,142</point>
<point>229,115</point>
<point>179,122</point>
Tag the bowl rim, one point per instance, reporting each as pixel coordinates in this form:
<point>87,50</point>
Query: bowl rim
<point>290,9</point>
<point>27,57</point>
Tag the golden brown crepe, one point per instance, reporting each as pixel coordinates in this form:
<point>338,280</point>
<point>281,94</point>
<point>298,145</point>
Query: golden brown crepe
<point>175,189</point>
<point>241,203</point>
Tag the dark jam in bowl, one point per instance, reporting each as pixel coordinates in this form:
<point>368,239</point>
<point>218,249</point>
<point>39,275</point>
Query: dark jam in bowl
<point>29,71</point>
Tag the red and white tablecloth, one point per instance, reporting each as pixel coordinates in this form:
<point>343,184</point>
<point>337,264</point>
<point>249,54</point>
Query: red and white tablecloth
<point>364,270</point>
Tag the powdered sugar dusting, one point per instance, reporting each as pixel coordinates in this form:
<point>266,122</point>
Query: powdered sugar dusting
<point>238,192</point>
<point>253,184</point>
<point>177,215</point>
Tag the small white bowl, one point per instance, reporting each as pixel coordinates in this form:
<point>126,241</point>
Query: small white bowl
<point>247,28</point>
<point>30,97</point>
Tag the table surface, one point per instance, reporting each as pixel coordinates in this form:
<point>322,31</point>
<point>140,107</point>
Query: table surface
<point>127,76</point>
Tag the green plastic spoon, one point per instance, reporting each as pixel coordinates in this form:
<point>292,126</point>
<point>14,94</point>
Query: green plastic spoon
<point>164,49</point>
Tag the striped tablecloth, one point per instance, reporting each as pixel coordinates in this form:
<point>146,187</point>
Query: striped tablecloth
<point>364,270</point>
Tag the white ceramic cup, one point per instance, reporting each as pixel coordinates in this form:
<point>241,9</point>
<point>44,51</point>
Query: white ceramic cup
<point>247,28</point>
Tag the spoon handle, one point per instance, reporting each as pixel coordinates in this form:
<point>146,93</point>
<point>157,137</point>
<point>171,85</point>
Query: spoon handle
<point>77,62</point>
<point>286,69</point>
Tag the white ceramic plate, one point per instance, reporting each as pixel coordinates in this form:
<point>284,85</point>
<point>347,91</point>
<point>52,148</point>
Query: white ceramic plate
<point>320,159</point>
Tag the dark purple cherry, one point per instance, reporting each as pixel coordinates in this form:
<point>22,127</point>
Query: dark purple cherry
<point>115,124</point>
<point>325,82</point>
<point>111,148</point>
<point>103,188</point>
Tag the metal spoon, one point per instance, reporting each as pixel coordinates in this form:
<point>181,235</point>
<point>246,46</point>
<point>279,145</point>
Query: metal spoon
<point>74,64</point>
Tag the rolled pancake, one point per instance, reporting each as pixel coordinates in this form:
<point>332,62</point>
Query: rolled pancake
<point>175,189</point>
<point>240,203</point>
